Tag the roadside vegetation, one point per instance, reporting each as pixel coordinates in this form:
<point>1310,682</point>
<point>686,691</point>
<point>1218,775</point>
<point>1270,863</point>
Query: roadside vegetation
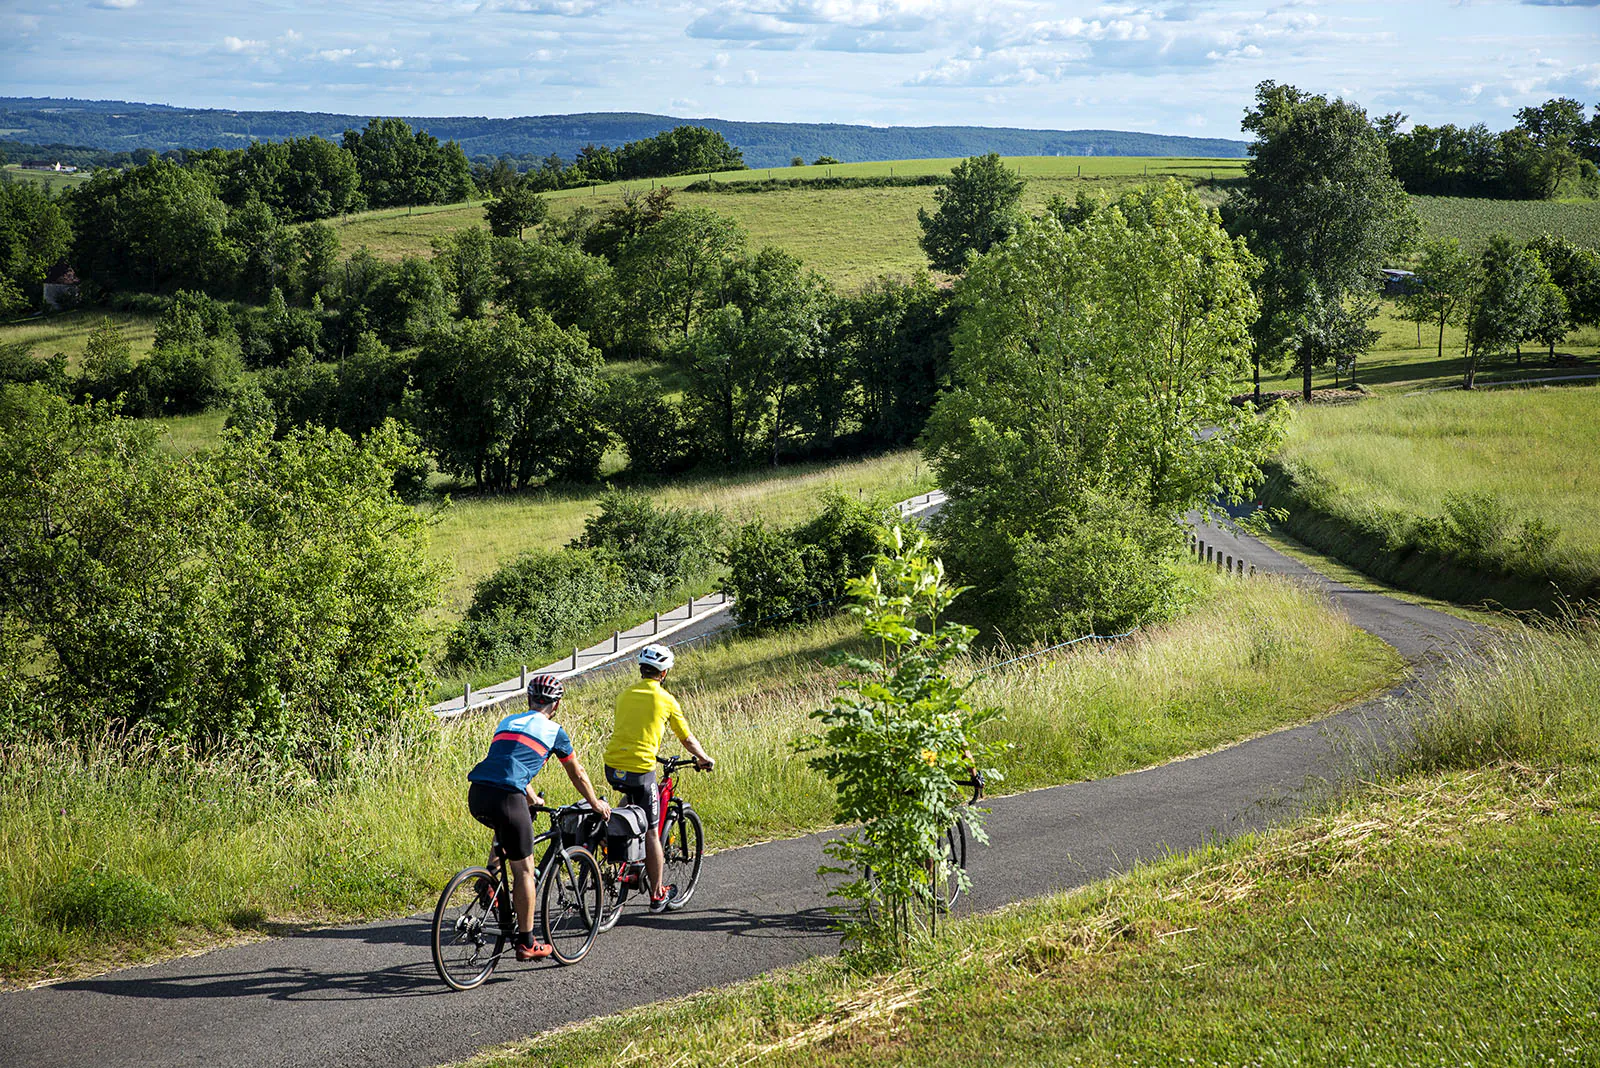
<point>1476,497</point>
<point>1426,917</point>
<point>133,846</point>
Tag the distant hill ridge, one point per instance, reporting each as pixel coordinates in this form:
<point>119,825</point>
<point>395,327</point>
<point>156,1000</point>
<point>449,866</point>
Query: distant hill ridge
<point>123,126</point>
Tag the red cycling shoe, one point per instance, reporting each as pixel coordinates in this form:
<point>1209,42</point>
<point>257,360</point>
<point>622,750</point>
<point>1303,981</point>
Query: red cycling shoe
<point>658,901</point>
<point>537,951</point>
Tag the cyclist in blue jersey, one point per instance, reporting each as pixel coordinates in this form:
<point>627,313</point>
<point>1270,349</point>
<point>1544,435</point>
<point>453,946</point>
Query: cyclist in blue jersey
<point>502,787</point>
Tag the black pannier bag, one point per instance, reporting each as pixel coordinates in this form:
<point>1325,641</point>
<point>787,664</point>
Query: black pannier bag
<point>625,835</point>
<point>572,821</point>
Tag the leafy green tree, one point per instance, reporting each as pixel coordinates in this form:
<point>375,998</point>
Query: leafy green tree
<point>1505,303</point>
<point>1322,209</point>
<point>267,251</point>
<point>465,262</point>
<point>511,402</point>
<point>516,209</point>
<point>264,596</point>
<point>400,167</point>
<point>659,548</point>
<point>300,179</point>
<point>1442,285</point>
<point>977,209</point>
<point>680,150</point>
<point>152,227</point>
<point>824,161</point>
<point>19,366</point>
<point>405,303</point>
<point>753,361</point>
<point>107,366</point>
<point>192,318</point>
<point>896,743</point>
<point>893,339</point>
<point>657,433</point>
<point>34,236</point>
<point>1549,320</point>
<point>315,269</point>
<point>671,269</point>
<point>575,288</point>
<point>1090,405</point>
<point>609,234</point>
<point>1576,269</point>
<point>597,163</point>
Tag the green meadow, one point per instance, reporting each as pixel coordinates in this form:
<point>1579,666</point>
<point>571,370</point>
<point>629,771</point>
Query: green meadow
<point>68,333</point>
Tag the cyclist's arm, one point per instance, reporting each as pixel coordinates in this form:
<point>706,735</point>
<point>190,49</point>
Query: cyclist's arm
<point>680,727</point>
<point>580,779</point>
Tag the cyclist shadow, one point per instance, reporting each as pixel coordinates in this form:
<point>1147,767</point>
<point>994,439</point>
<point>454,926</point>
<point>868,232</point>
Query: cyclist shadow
<point>414,978</point>
<point>816,922</point>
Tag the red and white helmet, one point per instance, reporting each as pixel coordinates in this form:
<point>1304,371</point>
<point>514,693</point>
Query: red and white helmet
<point>545,690</point>
<point>655,656</point>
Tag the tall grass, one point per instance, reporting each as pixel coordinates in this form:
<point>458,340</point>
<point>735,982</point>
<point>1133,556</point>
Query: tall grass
<point>1363,476</point>
<point>68,333</point>
<point>1533,699</point>
<point>215,847</point>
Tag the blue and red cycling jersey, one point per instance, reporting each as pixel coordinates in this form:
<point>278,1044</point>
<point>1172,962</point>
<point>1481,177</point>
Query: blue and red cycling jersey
<point>518,750</point>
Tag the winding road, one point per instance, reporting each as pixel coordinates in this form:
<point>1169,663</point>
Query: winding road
<point>368,995</point>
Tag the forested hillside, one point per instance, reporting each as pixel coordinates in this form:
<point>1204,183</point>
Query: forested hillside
<point>124,126</point>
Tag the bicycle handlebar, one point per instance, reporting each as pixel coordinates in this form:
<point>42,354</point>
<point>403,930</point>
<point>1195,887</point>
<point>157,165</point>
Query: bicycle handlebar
<point>672,764</point>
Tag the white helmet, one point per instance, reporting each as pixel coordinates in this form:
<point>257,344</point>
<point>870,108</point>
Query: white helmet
<point>656,656</point>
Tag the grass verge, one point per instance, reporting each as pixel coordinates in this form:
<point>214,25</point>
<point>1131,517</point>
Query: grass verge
<point>1442,917</point>
<point>210,850</point>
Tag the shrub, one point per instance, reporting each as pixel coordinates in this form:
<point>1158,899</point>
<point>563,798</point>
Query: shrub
<point>658,548</point>
<point>264,597</point>
<point>777,576</point>
<point>538,602</point>
<point>18,365</point>
<point>184,378</point>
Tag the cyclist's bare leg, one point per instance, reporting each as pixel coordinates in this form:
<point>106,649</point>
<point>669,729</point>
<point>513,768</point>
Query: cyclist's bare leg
<point>655,859</point>
<point>524,872</point>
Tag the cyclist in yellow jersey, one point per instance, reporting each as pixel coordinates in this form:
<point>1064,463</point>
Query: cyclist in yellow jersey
<point>644,711</point>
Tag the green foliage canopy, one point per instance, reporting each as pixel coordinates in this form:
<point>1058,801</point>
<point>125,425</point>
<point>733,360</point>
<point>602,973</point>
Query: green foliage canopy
<point>976,209</point>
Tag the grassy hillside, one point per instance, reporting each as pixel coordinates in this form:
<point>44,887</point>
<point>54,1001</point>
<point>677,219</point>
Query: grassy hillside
<point>192,852</point>
<point>479,533</point>
<point>1444,917</point>
<point>849,235</point>
<point>51,180</point>
<point>68,333</point>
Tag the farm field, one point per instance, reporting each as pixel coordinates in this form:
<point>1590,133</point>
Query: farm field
<point>1398,364</point>
<point>1472,221</point>
<point>849,235</point>
<point>51,180</point>
<point>201,851</point>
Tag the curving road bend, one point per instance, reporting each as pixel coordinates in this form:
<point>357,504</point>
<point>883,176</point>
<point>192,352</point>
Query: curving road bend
<point>367,995</point>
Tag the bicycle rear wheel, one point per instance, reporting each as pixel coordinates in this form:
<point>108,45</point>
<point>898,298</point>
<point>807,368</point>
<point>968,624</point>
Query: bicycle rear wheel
<point>684,845</point>
<point>467,934</point>
<point>571,904</point>
<point>955,859</point>
<point>616,894</point>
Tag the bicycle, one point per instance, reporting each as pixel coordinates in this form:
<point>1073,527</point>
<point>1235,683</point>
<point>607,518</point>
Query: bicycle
<point>954,849</point>
<point>682,841</point>
<point>475,922</point>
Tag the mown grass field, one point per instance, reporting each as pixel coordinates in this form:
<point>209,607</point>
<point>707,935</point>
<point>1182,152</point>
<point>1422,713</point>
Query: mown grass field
<point>1532,448</point>
<point>188,852</point>
<point>1440,917</point>
<point>51,180</point>
<point>1399,364</point>
<point>68,333</point>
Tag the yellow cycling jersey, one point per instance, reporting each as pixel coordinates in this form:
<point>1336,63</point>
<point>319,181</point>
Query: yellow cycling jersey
<point>644,711</point>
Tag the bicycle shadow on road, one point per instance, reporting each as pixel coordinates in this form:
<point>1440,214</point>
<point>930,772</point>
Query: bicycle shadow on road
<point>812,923</point>
<point>414,978</point>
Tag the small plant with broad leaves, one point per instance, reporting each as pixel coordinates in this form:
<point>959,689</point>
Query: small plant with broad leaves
<point>897,743</point>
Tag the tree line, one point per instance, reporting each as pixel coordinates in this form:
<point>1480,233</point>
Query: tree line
<point>1553,150</point>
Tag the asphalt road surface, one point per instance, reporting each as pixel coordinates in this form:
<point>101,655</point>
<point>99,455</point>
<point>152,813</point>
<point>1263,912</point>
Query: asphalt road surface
<point>368,995</point>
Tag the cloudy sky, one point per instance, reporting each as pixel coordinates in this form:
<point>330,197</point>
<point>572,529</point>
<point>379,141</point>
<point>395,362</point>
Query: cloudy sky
<point>1180,67</point>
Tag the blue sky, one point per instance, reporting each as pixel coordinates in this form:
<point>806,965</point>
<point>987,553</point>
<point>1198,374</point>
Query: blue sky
<point>1180,67</point>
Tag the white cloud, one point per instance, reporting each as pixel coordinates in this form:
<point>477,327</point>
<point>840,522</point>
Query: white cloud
<point>567,8</point>
<point>240,44</point>
<point>117,5</point>
<point>334,55</point>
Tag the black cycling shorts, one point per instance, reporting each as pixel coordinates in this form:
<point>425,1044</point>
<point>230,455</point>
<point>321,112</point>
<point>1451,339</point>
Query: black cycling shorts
<point>639,787</point>
<point>506,813</point>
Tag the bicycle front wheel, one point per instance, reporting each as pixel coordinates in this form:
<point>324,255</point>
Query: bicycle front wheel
<point>684,845</point>
<point>571,904</point>
<point>955,863</point>
<point>467,935</point>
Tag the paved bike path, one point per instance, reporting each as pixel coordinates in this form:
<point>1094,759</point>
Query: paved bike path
<point>367,995</point>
